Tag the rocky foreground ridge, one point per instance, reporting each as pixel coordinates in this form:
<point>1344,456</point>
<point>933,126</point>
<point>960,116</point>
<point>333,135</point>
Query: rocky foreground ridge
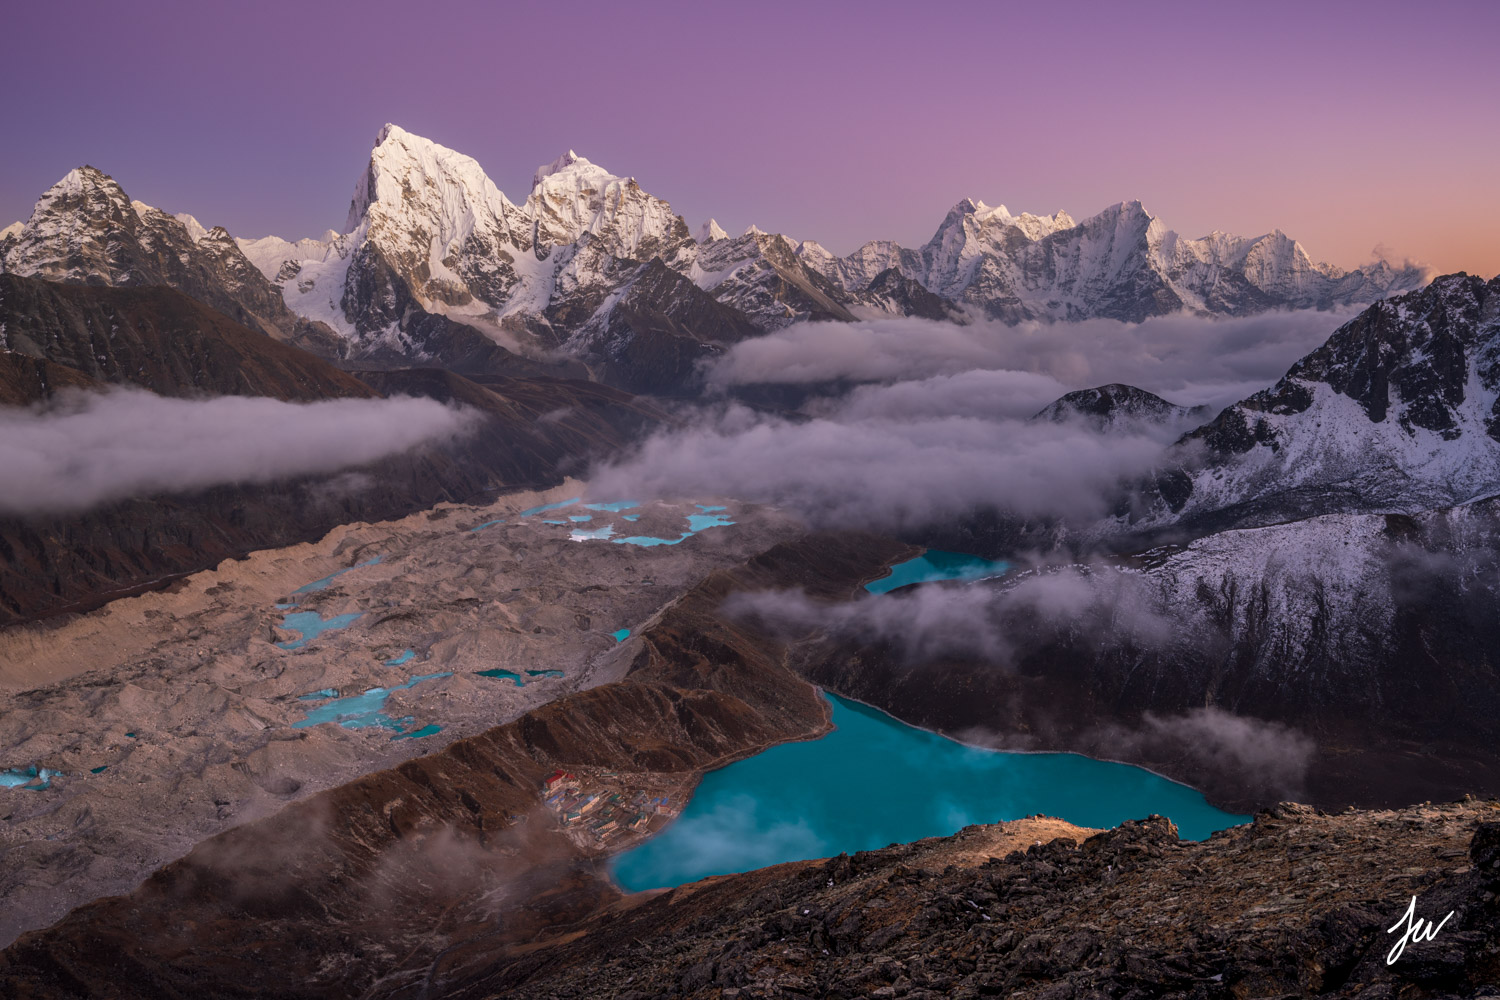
<point>1295,904</point>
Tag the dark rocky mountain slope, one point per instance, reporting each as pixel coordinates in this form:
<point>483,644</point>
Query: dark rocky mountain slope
<point>1121,407</point>
<point>444,877</point>
<point>56,336</point>
<point>159,339</point>
<point>1348,659</point>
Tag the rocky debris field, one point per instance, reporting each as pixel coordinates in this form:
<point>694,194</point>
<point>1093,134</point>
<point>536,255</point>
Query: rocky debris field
<point>176,715</point>
<point>404,881</point>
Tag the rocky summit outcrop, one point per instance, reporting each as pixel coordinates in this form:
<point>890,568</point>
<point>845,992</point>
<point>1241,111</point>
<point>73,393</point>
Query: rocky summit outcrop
<point>1297,904</point>
<point>1119,407</point>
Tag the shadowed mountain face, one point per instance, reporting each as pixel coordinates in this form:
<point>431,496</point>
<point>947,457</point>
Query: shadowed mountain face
<point>1122,407</point>
<point>1254,664</point>
<point>159,339</point>
<point>25,380</point>
<point>660,330</point>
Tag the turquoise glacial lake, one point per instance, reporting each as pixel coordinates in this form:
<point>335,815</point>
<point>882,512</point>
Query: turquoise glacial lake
<point>935,564</point>
<point>875,781</point>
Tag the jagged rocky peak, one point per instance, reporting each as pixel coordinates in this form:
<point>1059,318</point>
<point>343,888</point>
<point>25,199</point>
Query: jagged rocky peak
<point>81,186</point>
<point>1033,227</point>
<point>710,231</point>
<point>72,226</point>
<point>573,164</point>
<point>572,196</point>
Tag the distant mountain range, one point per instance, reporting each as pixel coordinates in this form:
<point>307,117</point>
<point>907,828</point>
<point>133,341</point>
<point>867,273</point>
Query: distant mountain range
<point>443,287</point>
<point>590,273</point>
<point>1299,599</point>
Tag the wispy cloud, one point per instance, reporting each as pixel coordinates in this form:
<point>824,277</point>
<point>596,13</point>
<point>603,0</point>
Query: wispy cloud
<point>1188,359</point>
<point>857,468</point>
<point>87,449</point>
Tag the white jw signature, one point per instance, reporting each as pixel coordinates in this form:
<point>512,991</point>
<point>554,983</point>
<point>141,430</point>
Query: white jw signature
<point>1417,930</point>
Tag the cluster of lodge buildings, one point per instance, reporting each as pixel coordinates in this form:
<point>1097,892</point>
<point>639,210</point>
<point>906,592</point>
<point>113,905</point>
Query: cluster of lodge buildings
<point>601,813</point>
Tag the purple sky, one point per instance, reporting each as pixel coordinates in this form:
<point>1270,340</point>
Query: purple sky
<point>1343,124</point>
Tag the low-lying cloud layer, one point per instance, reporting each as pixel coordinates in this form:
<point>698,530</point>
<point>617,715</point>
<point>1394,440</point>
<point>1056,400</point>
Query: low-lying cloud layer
<point>936,425</point>
<point>893,457</point>
<point>1188,359</point>
<point>981,622</point>
<point>88,449</point>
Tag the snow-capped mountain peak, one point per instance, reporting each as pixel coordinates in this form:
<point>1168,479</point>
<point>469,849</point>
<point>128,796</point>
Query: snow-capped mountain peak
<point>430,236</point>
<point>573,164</point>
<point>572,196</point>
<point>710,231</point>
<point>1123,263</point>
<point>195,229</point>
<point>409,175</point>
<point>1398,410</point>
<point>85,230</point>
<point>75,230</point>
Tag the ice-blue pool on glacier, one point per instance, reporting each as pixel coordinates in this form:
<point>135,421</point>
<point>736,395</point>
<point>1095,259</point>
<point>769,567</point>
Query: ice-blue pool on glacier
<point>33,778</point>
<point>311,625</point>
<point>518,677</point>
<point>362,711</point>
<point>708,516</point>
<point>324,583</point>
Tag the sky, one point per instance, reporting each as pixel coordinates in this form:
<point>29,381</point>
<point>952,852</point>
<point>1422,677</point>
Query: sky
<point>1345,125</point>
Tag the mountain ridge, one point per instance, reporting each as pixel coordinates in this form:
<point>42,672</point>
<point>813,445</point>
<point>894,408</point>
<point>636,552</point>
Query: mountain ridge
<point>431,243</point>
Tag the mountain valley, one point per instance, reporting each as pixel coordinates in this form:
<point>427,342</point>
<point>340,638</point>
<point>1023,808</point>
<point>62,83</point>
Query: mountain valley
<point>364,599</point>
